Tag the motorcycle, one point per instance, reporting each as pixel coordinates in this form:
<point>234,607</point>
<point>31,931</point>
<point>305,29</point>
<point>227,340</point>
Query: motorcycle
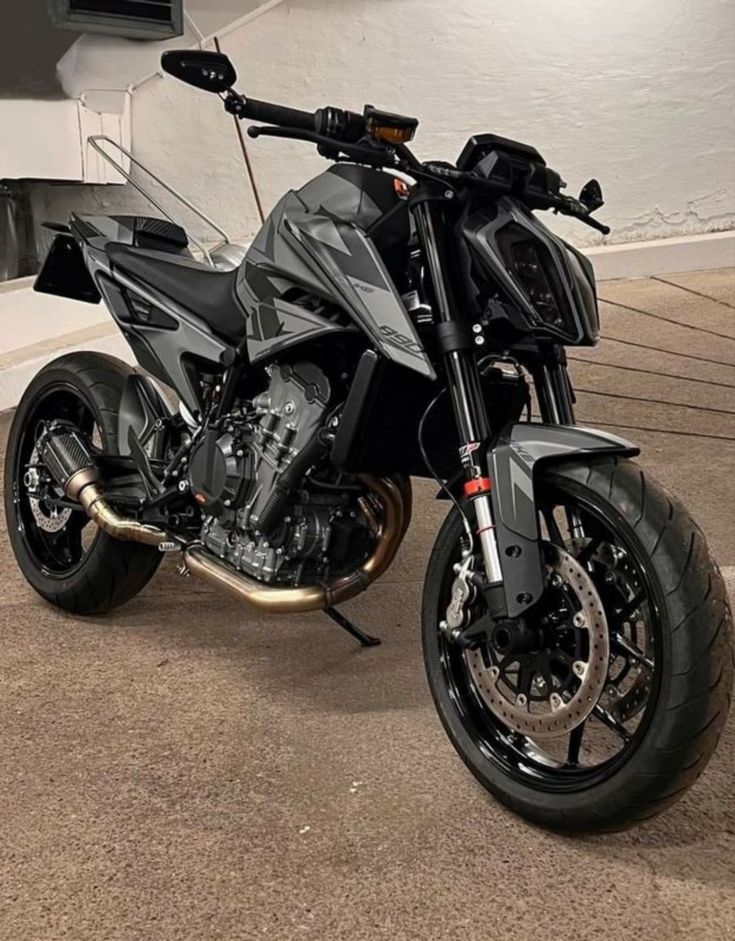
<point>390,320</point>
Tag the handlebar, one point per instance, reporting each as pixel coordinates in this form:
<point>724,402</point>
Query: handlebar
<point>564,205</point>
<point>273,114</point>
<point>333,127</point>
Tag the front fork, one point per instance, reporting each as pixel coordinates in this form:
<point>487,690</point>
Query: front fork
<point>458,343</point>
<point>553,388</point>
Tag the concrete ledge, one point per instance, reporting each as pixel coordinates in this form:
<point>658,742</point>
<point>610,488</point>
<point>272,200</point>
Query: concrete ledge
<point>16,373</point>
<point>663,256</point>
<point>27,318</point>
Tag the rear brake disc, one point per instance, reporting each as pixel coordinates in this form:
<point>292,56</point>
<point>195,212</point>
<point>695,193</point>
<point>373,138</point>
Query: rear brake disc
<point>49,519</point>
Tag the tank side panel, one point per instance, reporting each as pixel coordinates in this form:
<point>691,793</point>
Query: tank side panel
<point>303,244</point>
<point>351,263</point>
<point>276,326</point>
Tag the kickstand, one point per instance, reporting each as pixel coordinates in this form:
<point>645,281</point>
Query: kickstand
<point>365,639</point>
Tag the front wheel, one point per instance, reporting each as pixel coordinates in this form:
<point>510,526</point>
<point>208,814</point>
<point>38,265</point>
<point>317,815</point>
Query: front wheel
<point>605,704</point>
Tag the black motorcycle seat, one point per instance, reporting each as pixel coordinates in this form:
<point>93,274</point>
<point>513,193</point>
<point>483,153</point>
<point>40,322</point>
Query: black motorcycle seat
<point>206,292</point>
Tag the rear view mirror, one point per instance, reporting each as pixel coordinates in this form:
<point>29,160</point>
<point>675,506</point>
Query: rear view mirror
<point>591,195</point>
<point>211,71</point>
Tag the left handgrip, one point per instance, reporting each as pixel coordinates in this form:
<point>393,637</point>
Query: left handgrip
<point>269,113</point>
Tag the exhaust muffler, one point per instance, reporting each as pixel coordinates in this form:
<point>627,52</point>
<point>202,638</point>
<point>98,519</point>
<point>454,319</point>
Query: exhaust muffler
<point>70,462</point>
<point>68,458</point>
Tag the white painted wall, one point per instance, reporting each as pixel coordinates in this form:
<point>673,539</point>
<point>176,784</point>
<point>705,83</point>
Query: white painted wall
<point>96,61</point>
<point>48,139</point>
<point>639,94</point>
<point>184,135</point>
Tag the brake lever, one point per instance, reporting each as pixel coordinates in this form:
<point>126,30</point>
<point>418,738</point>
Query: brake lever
<point>594,224</point>
<point>569,206</point>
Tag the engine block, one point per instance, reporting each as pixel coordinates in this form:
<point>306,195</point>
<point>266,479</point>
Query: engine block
<point>288,416</point>
<point>319,536</point>
<point>235,470</point>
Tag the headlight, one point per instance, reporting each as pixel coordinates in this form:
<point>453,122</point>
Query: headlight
<point>530,263</point>
<point>528,268</point>
<point>548,285</point>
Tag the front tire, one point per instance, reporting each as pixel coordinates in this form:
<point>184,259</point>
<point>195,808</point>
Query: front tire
<point>75,566</point>
<point>670,728</point>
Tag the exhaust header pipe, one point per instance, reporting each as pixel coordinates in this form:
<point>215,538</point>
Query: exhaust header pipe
<point>395,497</point>
<point>67,455</point>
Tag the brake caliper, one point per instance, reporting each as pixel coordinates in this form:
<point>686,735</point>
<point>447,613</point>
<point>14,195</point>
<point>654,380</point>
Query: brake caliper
<point>463,593</point>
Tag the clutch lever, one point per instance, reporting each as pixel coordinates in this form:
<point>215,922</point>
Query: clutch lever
<point>331,145</point>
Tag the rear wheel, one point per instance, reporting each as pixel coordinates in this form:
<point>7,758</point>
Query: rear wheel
<point>61,553</point>
<point>607,702</point>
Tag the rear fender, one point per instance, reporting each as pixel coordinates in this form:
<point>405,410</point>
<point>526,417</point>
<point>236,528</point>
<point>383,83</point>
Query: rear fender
<point>64,272</point>
<point>512,464</point>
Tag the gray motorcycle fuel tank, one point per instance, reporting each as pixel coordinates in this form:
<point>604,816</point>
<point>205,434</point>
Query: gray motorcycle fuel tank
<point>320,239</point>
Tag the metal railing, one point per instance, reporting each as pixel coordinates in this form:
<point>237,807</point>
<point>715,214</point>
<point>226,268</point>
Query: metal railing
<point>96,143</point>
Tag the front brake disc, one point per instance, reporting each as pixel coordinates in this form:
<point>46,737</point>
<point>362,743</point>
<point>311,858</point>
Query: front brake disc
<point>568,697</point>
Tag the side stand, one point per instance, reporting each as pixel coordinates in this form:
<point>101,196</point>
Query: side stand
<point>360,636</point>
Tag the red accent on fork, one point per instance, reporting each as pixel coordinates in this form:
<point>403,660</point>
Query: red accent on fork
<point>477,485</point>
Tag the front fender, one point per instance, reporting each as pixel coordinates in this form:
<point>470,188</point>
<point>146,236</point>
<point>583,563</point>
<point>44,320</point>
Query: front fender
<point>512,463</point>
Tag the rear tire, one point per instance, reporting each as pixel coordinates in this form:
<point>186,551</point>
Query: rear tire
<point>691,686</point>
<point>110,572</point>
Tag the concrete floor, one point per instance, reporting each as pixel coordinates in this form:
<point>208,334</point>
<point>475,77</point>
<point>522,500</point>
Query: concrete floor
<point>185,769</point>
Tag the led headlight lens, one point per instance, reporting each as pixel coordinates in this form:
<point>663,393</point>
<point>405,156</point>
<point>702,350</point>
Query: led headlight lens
<point>529,269</point>
<point>536,273</point>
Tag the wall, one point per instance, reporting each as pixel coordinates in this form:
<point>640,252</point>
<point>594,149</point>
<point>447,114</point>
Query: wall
<point>49,139</point>
<point>28,68</point>
<point>641,95</point>
<point>184,136</point>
